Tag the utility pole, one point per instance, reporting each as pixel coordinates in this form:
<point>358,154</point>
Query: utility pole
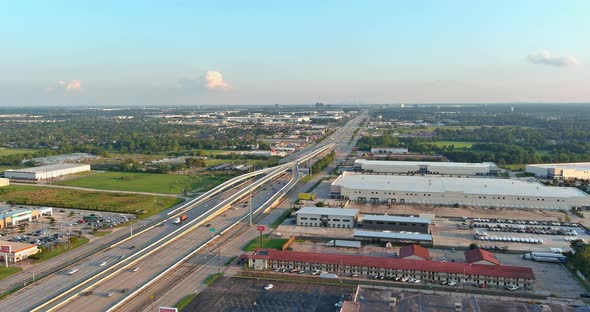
<point>250,206</point>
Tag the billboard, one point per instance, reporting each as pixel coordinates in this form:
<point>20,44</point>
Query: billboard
<point>167,309</point>
<point>6,249</point>
<point>261,228</point>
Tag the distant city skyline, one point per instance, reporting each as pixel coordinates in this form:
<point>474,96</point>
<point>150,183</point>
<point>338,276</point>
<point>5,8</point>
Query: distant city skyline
<point>123,53</point>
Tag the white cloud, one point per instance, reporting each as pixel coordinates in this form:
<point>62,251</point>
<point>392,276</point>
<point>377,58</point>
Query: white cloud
<point>210,80</point>
<point>71,86</point>
<point>545,58</point>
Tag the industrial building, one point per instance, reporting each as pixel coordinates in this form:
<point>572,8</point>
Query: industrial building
<point>327,217</point>
<point>10,217</point>
<point>563,171</point>
<point>4,182</point>
<point>45,172</point>
<point>392,237</point>
<point>369,266</point>
<point>479,192</point>
<point>426,167</point>
<point>394,223</point>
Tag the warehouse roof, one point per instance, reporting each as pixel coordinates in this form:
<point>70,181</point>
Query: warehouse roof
<point>392,235</point>
<point>424,163</point>
<point>435,184</point>
<point>571,166</point>
<point>395,219</point>
<point>395,263</point>
<point>329,211</point>
<point>47,168</point>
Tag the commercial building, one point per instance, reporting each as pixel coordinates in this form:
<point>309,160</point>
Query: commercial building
<point>327,217</point>
<point>394,223</point>
<point>369,266</point>
<point>426,167</point>
<point>414,252</point>
<point>480,256</point>
<point>4,182</point>
<point>45,172</point>
<point>480,192</point>
<point>396,237</point>
<point>563,171</point>
<point>12,217</point>
<point>14,252</point>
<point>389,150</point>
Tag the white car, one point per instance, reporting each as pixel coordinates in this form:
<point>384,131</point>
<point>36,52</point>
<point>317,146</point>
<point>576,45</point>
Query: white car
<point>404,279</point>
<point>72,271</point>
<point>135,269</point>
<point>512,287</point>
<point>316,272</point>
<point>452,283</point>
<point>268,287</point>
<point>102,263</point>
<point>417,281</point>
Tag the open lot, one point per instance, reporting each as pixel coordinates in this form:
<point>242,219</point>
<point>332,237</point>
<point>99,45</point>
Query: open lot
<point>143,205</point>
<point>147,182</point>
<point>237,294</point>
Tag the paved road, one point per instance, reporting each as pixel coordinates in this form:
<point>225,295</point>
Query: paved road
<point>98,190</point>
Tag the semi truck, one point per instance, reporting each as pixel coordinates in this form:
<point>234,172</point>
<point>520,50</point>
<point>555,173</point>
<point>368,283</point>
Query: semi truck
<point>545,257</point>
<point>180,219</point>
<point>343,243</point>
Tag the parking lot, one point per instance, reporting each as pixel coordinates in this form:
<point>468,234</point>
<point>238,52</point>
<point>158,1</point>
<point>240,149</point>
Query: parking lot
<point>237,294</point>
<point>64,223</point>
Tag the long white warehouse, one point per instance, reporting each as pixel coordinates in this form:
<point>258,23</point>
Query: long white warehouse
<point>45,172</point>
<point>482,192</point>
<point>563,171</point>
<point>426,167</point>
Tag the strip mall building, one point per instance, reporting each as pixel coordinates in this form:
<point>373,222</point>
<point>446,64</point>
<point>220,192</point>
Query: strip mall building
<point>368,266</point>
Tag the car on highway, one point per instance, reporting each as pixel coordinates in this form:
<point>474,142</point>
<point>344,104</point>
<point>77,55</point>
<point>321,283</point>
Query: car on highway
<point>268,287</point>
<point>132,246</point>
<point>121,257</point>
<point>87,293</point>
<point>72,271</point>
<point>208,225</point>
<point>109,294</point>
<point>102,263</point>
<point>135,269</point>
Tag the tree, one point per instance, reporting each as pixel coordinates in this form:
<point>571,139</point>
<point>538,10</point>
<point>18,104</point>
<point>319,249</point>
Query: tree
<point>473,246</point>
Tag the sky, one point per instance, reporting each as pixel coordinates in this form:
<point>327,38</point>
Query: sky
<point>293,52</point>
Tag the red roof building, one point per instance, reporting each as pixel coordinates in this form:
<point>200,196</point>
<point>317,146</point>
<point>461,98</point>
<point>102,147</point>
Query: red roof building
<point>480,256</point>
<point>414,252</point>
<point>432,271</point>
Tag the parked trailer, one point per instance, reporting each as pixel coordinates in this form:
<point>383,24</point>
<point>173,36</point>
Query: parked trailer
<point>545,257</point>
<point>343,243</point>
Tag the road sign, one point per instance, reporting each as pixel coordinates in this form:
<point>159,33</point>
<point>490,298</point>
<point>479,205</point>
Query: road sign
<point>6,249</point>
<point>261,228</point>
<point>211,230</point>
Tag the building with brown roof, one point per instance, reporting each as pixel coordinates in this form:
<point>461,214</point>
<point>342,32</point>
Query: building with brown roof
<point>369,266</point>
<point>480,256</point>
<point>14,251</point>
<point>414,252</point>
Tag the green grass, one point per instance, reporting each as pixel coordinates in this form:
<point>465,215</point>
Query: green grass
<point>271,243</point>
<point>185,301</point>
<point>456,144</point>
<point>280,219</point>
<point>51,252</point>
<point>212,278</point>
<point>14,151</point>
<point>143,205</point>
<point>147,182</point>
<point>101,233</point>
<point>7,271</point>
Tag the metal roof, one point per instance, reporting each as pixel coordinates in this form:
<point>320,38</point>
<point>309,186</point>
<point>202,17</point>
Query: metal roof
<point>432,164</point>
<point>47,168</point>
<point>395,218</point>
<point>435,184</point>
<point>392,235</point>
<point>571,166</point>
<point>329,211</point>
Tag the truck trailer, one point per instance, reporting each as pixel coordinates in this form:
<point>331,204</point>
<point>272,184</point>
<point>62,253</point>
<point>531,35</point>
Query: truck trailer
<point>344,243</point>
<point>545,257</point>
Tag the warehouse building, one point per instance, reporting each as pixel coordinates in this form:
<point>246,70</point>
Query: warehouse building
<point>14,252</point>
<point>327,217</point>
<point>479,192</point>
<point>394,223</point>
<point>45,172</point>
<point>10,217</point>
<point>426,167</point>
<point>563,171</point>
<point>369,266</point>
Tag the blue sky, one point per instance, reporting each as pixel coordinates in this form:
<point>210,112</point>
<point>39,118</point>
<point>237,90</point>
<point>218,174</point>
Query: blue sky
<point>293,52</point>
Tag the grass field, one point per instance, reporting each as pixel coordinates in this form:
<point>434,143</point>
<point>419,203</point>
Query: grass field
<point>14,151</point>
<point>7,271</point>
<point>273,243</point>
<point>147,182</point>
<point>185,301</point>
<point>101,233</point>
<point>143,205</point>
<point>212,278</point>
<point>456,144</point>
<point>49,253</point>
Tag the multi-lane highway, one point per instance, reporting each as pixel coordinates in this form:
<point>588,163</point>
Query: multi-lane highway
<point>112,276</point>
